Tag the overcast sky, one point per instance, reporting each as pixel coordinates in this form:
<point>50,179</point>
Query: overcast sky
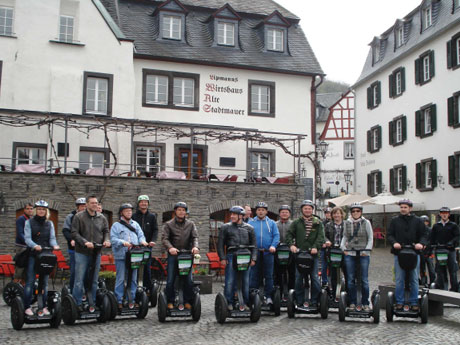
<point>339,31</point>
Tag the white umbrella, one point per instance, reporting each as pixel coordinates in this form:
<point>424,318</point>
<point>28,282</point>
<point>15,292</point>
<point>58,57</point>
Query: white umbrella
<point>347,199</point>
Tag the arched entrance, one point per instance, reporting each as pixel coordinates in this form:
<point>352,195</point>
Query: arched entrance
<point>53,217</point>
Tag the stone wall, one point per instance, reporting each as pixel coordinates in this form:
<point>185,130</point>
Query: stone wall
<point>203,198</point>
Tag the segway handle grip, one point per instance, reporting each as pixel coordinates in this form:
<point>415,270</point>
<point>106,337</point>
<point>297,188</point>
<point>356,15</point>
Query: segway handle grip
<point>184,251</point>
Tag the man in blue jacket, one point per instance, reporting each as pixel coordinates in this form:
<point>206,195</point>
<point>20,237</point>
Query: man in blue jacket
<point>267,238</point>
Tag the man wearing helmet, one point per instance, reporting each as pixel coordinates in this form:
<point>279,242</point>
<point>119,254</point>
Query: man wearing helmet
<point>267,238</point>
<point>327,219</point>
<point>406,229</point>
<point>426,255</point>
<point>446,233</point>
<point>235,233</point>
<point>80,204</point>
<point>306,233</point>
<point>149,226</point>
<point>88,227</point>
<point>123,235</point>
<point>179,233</point>
<point>283,225</point>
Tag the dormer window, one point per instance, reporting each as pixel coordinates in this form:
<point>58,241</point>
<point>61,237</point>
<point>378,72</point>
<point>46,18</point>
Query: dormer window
<point>172,20</point>
<point>171,27</point>
<point>399,36</point>
<point>226,22</point>
<point>276,30</point>
<point>427,18</point>
<point>275,40</point>
<point>376,52</point>
<point>225,33</point>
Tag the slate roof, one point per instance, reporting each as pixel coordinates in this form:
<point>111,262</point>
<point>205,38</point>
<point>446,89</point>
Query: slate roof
<point>136,20</point>
<point>323,102</point>
<point>443,19</point>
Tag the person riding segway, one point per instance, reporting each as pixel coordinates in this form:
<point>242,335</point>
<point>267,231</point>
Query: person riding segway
<point>407,230</point>
<point>40,238</point>
<point>127,238</point>
<point>426,258</point>
<point>305,237</point>
<point>180,238</point>
<point>240,240</point>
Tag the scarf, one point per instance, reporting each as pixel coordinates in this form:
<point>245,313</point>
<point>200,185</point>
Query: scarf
<point>308,226</point>
<point>40,220</point>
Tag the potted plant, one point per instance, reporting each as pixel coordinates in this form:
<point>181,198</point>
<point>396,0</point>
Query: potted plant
<point>109,278</point>
<point>201,276</point>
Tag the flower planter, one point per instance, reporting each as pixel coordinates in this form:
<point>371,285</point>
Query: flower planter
<point>205,282</point>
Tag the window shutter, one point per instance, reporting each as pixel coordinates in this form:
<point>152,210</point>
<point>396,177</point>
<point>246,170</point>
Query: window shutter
<point>431,64</point>
<point>449,53</point>
<point>391,124</point>
<point>422,124</point>
<point>390,85</point>
<point>417,71</point>
<point>369,184</point>
<point>450,111</point>
<point>433,118</point>
<point>452,179</point>
<point>379,182</point>
<point>418,115</point>
<point>434,173</point>
<point>379,97</point>
<point>369,98</point>
<point>403,79</point>
<point>418,176</point>
<point>392,181</point>
<point>379,133</point>
<point>369,141</point>
<point>404,127</point>
<point>404,178</point>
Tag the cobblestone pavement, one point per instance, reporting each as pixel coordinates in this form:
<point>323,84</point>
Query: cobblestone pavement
<point>269,330</point>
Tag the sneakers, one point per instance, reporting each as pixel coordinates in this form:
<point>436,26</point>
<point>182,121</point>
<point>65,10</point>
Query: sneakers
<point>188,306</point>
<point>366,308</point>
<point>29,312</point>
<point>230,307</point>
<point>399,307</point>
<point>352,306</point>
<point>120,306</point>
<point>246,308</point>
<point>269,301</point>
<point>170,306</point>
<point>46,312</point>
<point>415,308</point>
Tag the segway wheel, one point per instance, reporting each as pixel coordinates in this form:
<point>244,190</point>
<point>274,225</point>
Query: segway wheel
<point>154,294</point>
<point>256,309</point>
<point>390,306</point>
<point>69,310</point>
<point>57,315</point>
<point>376,308</point>
<point>65,291</point>
<point>424,309</point>
<point>291,304</point>
<point>196,308</point>
<point>342,306</point>
<point>162,305</point>
<point>11,291</point>
<point>113,305</point>
<point>342,285</point>
<point>17,313</point>
<point>143,305</point>
<point>106,309</point>
<point>324,304</point>
<point>277,302</point>
<point>220,308</point>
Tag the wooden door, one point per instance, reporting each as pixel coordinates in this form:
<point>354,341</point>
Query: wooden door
<point>53,217</point>
<point>185,163</point>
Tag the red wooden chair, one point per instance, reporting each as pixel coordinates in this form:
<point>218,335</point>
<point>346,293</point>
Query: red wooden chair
<point>62,265</point>
<point>215,265</point>
<point>6,267</point>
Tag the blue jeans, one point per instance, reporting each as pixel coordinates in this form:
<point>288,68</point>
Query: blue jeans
<point>30,284</point>
<point>72,268</point>
<point>82,264</point>
<point>351,263</point>
<point>188,285</point>
<point>122,274</point>
<point>231,283</point>
<point>315,285</point>
<point>324,267</point>
<point>267,273</point>
<point>400,283</point>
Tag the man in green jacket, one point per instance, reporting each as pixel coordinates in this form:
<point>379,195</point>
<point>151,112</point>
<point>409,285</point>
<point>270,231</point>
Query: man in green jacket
<point>306,233</point>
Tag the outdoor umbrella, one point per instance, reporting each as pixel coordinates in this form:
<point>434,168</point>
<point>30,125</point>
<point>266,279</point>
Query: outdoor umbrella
<point>455,209</point>
<point>347,199</point>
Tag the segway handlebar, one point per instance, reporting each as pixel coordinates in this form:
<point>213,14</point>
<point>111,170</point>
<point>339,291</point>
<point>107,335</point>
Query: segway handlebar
<point>240,246</point>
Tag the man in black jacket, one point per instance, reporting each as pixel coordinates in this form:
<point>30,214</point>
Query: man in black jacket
<point>149,225</point>
<point>446,233</point>
<point>406,229</point>
<point>236,233</point>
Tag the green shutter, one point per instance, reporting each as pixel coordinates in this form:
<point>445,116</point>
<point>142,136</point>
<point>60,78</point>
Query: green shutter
<point>379,133</point>
<point>391,125</point>
<point>379,182</point>
<point>403,79</point>
<point>418,176</point>
<point>369,98</point>
<point>418,116</point>
<point>379,96</point>
<point>431,64</point>
<point>422,124</point>
<point>404,128</point>
<point>449,53</point>
<point>404,178</point>
<point>391,87</point>
<point>369,138</point>
<point>434,173</point>
<point>433,118</point>
<point>450,111</point>
<point>369,184</point>
<point>392,181</point>
<point>452,179</point>
<point>417,71</point>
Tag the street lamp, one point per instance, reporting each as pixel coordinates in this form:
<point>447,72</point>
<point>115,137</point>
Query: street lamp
<point>347,177</point>
<point>322,148</point>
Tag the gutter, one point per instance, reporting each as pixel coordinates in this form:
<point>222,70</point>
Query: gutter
<point>313,89</point>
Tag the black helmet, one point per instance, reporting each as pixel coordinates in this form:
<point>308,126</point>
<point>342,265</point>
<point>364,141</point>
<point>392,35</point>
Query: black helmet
<point>284,207</point>
<point>425,218</point>
<point>124,207</point>
<point>41,203</point>
<point>327,210</point>
<point>444,209</point>
<point>262,204</point>
<point>237,210</point>
<point>307,203</point>
<point>181,204</point>
<point>405,202</point>
<point>80,201</point>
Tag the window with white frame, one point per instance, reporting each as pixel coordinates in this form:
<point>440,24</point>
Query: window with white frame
<point>376,52</point>
<point>275,40</point>
<point>148,158</point>
<point>427,120</point>
<point>399,179</point>
<point>373,95</point>
<point>260,99</point>
<point>91,159</point>
<point>30,155</point>
<point>427,175</point>
<point>260,164</point>
<point>172,27</point>
<point>156,89</point>
<point>399,130</point>
<point>349,150</point>
<point>398,80</point>
<point>426,68</point>
<point>225,33</point>
<point>66,28</point>
<point>427,17</point>
<point>454,169</point>
<point>97,95</point>
<point>374,183</point>
<point>6,21</point>
<point>375,139</point>
<point>457,49</point>
<point>399,36</point>
<point>184,92</point>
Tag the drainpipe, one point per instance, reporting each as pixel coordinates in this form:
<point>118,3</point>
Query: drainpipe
<point>313,89</point>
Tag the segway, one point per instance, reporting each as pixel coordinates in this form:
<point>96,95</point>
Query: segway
<point>183,268</point>
<point>304,263</point>
<point>136,258</point>
<point>407,258</point>
<point>14,289</point>
<point>334,257</point>
<point>275,307</point>
<point>441,253</point>
<point>241,262</point>
<point>45,261</point>
<point>100,311</point>
<point>359,312</point>
<point>282,260</point>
